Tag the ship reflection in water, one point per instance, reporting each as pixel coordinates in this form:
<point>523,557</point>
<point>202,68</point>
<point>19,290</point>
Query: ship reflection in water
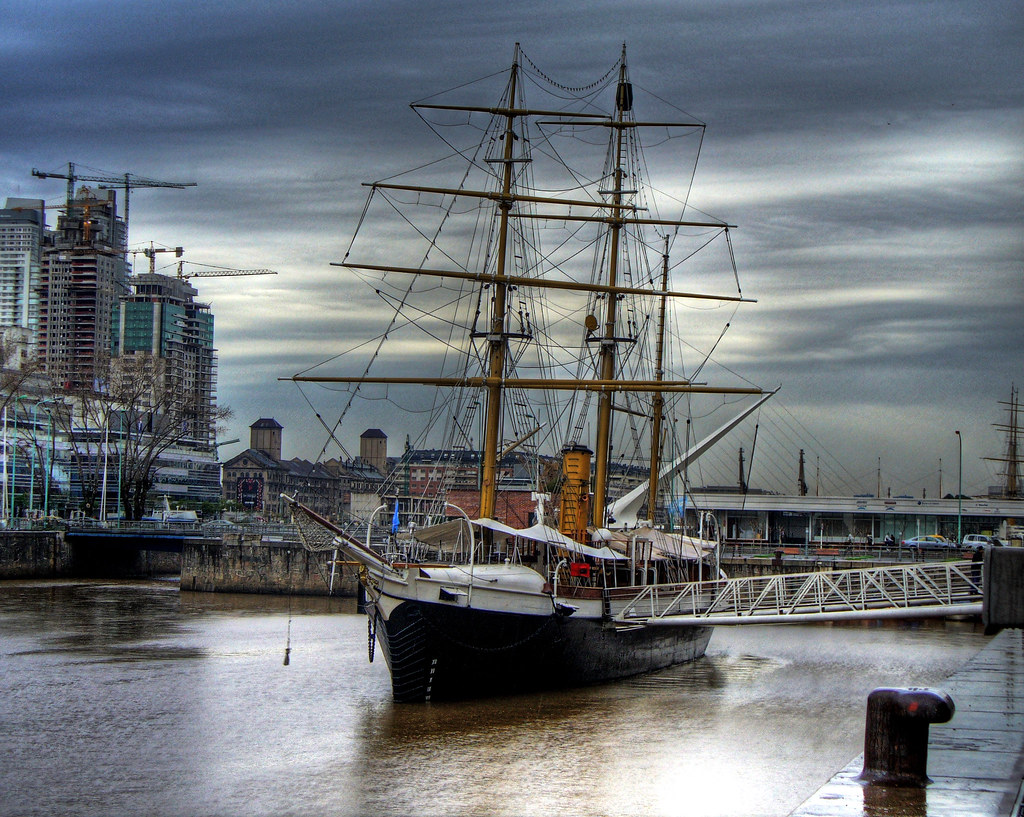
<point>133,698</point>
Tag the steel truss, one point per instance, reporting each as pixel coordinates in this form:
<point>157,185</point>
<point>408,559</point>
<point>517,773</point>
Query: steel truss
<point>912,591</point>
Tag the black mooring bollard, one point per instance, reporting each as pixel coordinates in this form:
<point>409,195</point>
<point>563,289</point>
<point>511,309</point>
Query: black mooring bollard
<point>896,735</point>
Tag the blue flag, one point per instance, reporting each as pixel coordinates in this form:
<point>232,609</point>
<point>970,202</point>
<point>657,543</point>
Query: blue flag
<point>394,519</point>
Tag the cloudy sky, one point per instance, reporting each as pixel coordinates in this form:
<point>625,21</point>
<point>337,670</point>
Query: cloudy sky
<point>870,153</point>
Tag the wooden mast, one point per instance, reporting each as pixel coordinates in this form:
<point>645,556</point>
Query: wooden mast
<point>606,361</point>
<point>658,402</point>
<point>496,338</point>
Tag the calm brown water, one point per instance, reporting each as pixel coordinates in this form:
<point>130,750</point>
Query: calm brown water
<point>133,698</point>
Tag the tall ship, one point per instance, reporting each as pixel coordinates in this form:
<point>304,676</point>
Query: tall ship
<point>536,306</point>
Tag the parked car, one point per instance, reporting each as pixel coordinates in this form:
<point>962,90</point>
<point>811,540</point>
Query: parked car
<point>974,540</point>
<point>930,542</point>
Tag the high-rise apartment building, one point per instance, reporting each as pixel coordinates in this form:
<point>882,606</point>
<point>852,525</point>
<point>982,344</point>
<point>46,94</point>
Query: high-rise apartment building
<point>22,225</point>
<point>83,275</point>
<point>161,318</point>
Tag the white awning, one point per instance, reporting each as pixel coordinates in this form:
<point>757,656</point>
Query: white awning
<point>447,533</point>
<point>550,536</point>
<point>667,544</point>
<point>494,525</point>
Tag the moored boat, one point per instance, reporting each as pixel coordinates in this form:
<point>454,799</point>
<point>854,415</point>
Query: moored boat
<point>480,606</point>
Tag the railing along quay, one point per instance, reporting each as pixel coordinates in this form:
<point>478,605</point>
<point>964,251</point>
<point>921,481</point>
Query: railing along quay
<point>841,551</point>
<point>918,590</point>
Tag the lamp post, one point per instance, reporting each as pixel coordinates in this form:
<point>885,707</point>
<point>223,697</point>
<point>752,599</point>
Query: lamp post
<point>6,509</point>
<point>11,509</point>
<point>49,462</point>
<point>32,464</point>
<point>959,487</point>
<point>35,445</point>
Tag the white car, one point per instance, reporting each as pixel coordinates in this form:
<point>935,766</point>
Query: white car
<point>975,540</point>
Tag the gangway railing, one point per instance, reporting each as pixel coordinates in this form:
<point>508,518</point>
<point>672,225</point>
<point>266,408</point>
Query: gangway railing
<point>905,591</point>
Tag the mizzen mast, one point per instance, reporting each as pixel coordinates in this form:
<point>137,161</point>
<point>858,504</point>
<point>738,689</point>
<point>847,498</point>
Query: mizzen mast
<point>658,401</point>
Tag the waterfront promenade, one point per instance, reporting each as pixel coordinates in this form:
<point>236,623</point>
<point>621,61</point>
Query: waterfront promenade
<point>975,762</point>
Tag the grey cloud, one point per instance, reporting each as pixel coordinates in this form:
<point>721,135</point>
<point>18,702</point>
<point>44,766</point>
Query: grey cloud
<point>860,147</point>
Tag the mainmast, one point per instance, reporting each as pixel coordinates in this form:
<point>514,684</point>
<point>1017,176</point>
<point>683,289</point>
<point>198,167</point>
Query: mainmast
<point>606,364</point>
<point>497,339</point>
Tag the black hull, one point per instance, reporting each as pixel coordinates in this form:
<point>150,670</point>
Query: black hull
<point>439,652</point>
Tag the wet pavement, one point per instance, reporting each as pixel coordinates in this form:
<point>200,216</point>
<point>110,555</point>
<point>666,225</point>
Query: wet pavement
<point>975,762</point>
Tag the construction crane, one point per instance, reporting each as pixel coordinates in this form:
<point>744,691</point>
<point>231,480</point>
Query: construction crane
<point>209,271</point>
<point>151,253</point>
<point>212,271</point>
<point>107,181</point>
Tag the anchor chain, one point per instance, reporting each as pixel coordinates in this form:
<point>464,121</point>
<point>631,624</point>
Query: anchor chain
<point>371,636</point>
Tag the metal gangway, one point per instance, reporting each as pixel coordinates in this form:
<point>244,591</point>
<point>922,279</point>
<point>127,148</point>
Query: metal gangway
<point>923,590</point>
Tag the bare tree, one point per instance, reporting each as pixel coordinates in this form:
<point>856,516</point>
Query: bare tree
<point>137,415</point>
<point>153,413</point>
<point>17,367</point>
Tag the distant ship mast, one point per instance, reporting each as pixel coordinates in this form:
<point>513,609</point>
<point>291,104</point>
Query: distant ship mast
<point>1012,459</point>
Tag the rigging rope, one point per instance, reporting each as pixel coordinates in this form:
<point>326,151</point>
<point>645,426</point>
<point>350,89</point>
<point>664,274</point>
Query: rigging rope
<point>569,88</point>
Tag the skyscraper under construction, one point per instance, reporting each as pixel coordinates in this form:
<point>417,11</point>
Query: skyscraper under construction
<point>84,273</point>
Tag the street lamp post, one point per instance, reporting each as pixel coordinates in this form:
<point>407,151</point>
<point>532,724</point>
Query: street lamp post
<point>32,465</point>
<point>35,445</point>
<point>959,488</point>
<point>12,509</point>
<point>49,462</point>
<point>6,507</point>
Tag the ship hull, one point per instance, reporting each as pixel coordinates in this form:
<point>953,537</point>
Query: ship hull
<point>437,652</point>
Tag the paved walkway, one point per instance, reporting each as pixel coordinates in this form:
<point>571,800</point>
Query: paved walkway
<point>976,761</point>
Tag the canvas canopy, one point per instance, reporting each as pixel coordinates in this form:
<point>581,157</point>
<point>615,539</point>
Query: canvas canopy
<point>550,536</point>
<point>447,534</point>
<point>673,545</point>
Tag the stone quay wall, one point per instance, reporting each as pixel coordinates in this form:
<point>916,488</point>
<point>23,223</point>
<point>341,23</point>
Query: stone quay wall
<point>34,555</point>
<point>247,563</point>
<point>48,555</point>
<point>244,564</point>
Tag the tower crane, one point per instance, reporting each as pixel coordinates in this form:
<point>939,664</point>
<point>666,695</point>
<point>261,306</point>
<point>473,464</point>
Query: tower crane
<point>212,271</point>
<point>106,181</point>
<point>208,271</point>
<point>152,251</point>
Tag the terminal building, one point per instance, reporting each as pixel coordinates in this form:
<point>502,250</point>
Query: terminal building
<point>336,489</point>
<point>769,518</point>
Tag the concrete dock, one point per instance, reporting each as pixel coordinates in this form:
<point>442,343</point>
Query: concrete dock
<point>975,762</point>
